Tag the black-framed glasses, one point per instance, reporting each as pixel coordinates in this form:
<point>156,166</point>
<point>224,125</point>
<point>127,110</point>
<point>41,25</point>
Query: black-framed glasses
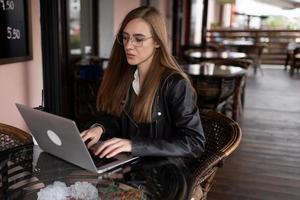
<point>136,40</point>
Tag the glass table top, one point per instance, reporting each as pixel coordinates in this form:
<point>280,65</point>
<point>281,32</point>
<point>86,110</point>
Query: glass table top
<point>25,171</point>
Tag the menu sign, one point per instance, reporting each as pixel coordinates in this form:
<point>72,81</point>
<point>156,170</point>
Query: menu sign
<point>15,37</point>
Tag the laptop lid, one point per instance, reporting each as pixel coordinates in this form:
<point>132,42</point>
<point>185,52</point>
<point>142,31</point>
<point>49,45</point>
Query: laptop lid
<point>60,136</point>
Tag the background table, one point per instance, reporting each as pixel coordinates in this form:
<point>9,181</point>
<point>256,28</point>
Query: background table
<point>211,70</point>
<point>206,55</point>
<point>252,50</point>
<point>237,43</point>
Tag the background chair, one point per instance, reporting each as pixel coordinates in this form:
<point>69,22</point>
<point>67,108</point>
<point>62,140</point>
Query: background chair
<point>223,136</point>
<point>255,52</point>
<point>296,61</point>
<point>289,53</point>
<point>243,63</point>
<point>221,94</point>
<point>11,137</point>
<point>15,161</point>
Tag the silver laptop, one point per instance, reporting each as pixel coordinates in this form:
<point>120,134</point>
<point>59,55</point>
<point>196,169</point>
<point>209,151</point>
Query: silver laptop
<point>60,137</point>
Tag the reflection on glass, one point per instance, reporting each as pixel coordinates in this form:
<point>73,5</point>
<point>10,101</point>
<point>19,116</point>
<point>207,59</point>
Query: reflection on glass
<point>167,178</point>
<point>74,23</point>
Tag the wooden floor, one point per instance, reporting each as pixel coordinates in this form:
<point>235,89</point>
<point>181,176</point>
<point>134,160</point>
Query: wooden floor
<point>267,163</point>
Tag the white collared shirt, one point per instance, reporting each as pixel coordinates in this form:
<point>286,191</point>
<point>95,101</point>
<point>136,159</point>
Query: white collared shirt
<point>136,82</point>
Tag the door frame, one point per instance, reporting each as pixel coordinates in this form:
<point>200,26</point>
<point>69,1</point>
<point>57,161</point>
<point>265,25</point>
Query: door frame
<point>56,78</point>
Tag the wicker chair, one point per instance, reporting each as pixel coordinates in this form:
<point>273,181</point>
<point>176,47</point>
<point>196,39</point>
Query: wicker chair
<point>221,94</point>
<point>245,64</point>
<point>223,136</point>
<point>15,162</point>
<point>12,137</point>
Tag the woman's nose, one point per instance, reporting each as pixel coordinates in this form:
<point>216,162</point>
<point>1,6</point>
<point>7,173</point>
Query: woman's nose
<point>129,44</point>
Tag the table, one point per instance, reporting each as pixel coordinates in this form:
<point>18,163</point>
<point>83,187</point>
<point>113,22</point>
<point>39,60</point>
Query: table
<point>27,170</point>
<point>252,49</point>
<point>206,55</point>
<point>207,69</point>
<point>238,43</point>
<point>218,86</point>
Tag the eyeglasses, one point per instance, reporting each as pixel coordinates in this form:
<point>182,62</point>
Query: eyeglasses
<point>136,40</point>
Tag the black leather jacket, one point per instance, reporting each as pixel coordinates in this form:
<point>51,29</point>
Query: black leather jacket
<point>175,130</point>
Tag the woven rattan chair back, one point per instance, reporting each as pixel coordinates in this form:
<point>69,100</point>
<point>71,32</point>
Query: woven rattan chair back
<point>12,143</point>
<point>223,136</point>
<point>213,91</point>
<point>11,137</point>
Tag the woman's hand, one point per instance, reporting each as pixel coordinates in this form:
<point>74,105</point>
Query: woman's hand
<point>112,147</point>
<point>92,134</point>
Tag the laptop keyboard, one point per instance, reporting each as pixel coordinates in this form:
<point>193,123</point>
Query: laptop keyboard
<point>102,161</point>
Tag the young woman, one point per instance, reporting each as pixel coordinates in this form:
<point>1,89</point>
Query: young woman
<point>146,101</point>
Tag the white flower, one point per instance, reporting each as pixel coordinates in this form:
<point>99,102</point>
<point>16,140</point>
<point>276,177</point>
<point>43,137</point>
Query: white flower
<point>59,191</point>
<point>84,190</point>
<point>56,191</point>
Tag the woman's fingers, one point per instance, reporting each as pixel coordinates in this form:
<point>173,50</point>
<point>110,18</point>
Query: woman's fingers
<point>84,135</point>
<point>106,144</point>
<point>112,147</point>
<point>124,146</point>
<point>93,134</point>
<point>115,151</point>
<point>92,142</point>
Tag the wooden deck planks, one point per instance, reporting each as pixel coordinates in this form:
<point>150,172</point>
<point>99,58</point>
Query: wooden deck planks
<point>267,163</point>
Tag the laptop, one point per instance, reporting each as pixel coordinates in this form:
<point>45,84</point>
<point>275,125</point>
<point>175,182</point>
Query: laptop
<point>60,137</point>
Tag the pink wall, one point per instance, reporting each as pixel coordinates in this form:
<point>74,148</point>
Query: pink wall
<point>121,9</point>
<point>22,82</point>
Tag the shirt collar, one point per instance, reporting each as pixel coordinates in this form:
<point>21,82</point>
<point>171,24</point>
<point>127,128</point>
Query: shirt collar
<point>136,82</point>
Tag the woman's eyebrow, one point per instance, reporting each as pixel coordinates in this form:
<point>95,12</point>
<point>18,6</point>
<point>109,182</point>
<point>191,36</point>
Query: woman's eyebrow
<point>135,34</point>
<point>139,34</point>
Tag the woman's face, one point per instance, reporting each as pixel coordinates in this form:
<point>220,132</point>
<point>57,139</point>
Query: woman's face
<point>138,43</point>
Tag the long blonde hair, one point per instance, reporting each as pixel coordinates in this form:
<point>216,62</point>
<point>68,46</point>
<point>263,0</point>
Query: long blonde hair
<point>118,76</point>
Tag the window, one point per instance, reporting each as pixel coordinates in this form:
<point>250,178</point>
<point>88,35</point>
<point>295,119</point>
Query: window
<point>74,27</point>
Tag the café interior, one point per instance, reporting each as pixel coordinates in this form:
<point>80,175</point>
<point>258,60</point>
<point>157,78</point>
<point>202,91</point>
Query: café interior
<point>243,60</point>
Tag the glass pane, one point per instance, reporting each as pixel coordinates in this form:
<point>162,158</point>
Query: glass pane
<point>74,24</point>
<point>196,21</point>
